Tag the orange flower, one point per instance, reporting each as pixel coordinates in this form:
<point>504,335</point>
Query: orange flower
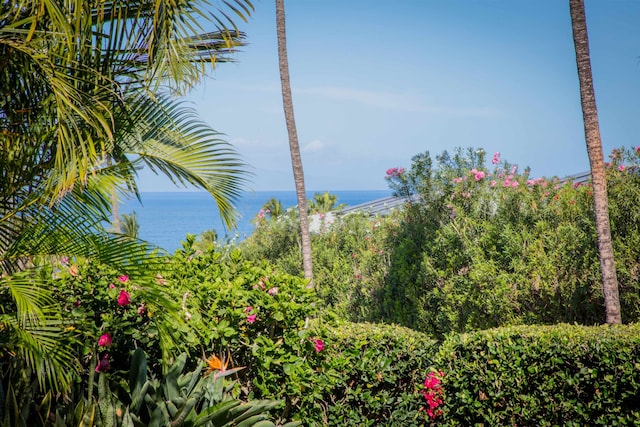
<point>73,270</point>
<point>215,364</point>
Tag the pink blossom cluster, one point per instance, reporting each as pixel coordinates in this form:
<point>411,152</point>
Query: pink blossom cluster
<point>251,315</point>
<point>105,340</point>
<point>318,344</point>
<point>478,175</point>
<point>538,181</point>
<point>394,172</point>
<point>433,393</point>
<point>496,158</point>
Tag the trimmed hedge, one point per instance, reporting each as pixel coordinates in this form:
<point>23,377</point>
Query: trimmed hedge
<point>562,375</point>
<point>371,374</point>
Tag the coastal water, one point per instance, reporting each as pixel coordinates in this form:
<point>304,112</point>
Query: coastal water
<point>166,218</point>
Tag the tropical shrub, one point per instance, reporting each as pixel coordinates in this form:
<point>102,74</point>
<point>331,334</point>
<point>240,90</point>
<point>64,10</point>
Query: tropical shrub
<point>475,247</point>
<point>113,313</point>
<point>350,257</point>
<point>566,375</point>
<point>177,398</point>
<point>251,314</point>
<point>491,247</point>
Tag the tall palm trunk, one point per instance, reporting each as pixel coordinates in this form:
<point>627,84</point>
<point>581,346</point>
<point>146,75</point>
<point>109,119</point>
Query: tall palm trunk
<point>596,160</point>
<point>294,147</point>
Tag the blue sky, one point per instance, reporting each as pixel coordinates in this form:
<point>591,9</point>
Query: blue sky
<point>376,82</point>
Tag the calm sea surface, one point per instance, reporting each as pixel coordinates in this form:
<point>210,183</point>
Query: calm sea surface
<point>166,218</point>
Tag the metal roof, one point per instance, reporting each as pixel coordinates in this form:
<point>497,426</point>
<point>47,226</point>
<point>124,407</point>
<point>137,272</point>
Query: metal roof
<point>377,207</point>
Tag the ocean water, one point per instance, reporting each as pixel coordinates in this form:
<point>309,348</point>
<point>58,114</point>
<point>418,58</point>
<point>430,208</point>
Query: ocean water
<point>166,218</point>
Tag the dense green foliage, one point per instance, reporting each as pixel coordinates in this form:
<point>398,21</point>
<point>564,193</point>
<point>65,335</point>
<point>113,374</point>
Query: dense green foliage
<point>475,248</point>
<point>251,314</point>
<point>561,375</point>
<point>471,250</point>
<point>369,377</point>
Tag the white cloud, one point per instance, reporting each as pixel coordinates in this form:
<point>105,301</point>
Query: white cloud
<point>315,145</point>
<point>392,101</point>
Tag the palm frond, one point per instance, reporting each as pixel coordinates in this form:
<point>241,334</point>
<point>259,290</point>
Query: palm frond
<point>169,139</point>
<point>32,330</point>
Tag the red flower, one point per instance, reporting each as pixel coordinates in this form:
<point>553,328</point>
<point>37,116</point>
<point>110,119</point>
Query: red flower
<point>318,344</point>
<point>105,340</point>
<point>124,298</point>
<point>433,393</point>
<point>124,278</point>
<point>103,364</point>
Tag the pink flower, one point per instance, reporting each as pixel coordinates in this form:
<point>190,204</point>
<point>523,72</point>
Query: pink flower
<point>124,298</point>
<point>638,149</point>
<point>252,318</point>
<point>394,172</point>
<point>493,183</point>
<point>318,344</point>
<point>457,180</point>
<point>432,380</point>
<point>273,291</point>
<point>496,158</point>
<point>65,259</point>
<point>103,364</point>
<point>621,168</point>
<point>433,393</point>
<point>514,184</point>
<point>142,309</point>
<point>479,175</point>
<point>105,340</point>
<point>248,309</point>
<point>124,278</point>
<point>112,286</point>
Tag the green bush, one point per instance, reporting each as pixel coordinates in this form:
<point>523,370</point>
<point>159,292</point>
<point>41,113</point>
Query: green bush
<point>249,314</point>
<point>325,371</point>
<point>490,246</point>
<point>562,375</point>
<point>369,376</point>
<point>480,247</point>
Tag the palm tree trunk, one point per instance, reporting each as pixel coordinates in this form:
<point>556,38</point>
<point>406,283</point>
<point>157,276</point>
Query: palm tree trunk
<point>294,147</point>
<point>596,161</point>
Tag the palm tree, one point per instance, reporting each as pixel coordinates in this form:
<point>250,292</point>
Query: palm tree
<point>596,161</point>
<point>273,207</point>
<point>130,226</point>
<point>323,203</point>
<point>294,147</point>
<point>86,100</point>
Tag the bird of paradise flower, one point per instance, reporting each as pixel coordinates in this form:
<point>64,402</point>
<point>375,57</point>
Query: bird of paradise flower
<point>218,367</point>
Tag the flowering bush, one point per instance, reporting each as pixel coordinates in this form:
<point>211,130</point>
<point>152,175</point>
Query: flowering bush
<point>492,246</point>
<point>112,313</point>
<point>253,313</point>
